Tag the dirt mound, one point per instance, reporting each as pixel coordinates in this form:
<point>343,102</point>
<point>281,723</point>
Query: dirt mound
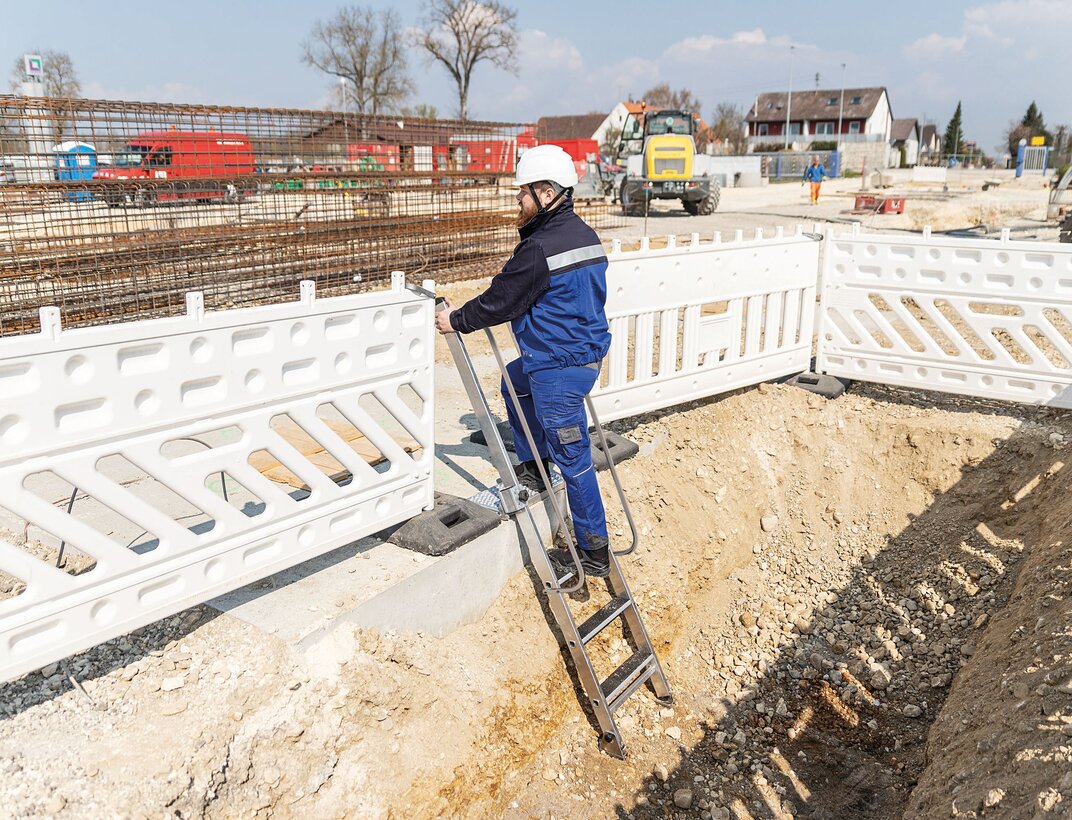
<point>814,574</point>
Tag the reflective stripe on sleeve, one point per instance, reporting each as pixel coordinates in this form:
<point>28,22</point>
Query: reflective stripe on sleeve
<point>567,258</point>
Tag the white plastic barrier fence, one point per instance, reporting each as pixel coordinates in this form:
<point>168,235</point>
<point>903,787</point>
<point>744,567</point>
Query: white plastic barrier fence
<point>691,321</point>
<point>200,453</point>
<point>926,173</point>
<point>981,317</point>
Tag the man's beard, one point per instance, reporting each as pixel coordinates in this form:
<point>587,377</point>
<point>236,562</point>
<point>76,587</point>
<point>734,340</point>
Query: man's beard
<point>526,211</point>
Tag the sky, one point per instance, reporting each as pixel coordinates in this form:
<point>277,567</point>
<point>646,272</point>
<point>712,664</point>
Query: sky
<point>583,56</point>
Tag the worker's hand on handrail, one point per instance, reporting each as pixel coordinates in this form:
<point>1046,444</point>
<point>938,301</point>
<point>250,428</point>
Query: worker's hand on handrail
<point>442,317</point>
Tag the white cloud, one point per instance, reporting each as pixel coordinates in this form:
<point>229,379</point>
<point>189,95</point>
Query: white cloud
<point>539,48</point>
<point>935,46</point>
<point>999,21</point>
<point>711,43</point>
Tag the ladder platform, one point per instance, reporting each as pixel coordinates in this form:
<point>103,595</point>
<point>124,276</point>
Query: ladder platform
<point>491,498</point>
<point>627,678</point>
<point>606,615</point>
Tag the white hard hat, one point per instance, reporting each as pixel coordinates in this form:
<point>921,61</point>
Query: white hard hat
<point>546,163</point>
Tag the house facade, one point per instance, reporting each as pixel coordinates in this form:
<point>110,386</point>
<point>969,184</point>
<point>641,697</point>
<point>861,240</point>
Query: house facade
<point>930,142</point>
<point>616,119</point>
<point>860,120</point>
<point>904,139</point>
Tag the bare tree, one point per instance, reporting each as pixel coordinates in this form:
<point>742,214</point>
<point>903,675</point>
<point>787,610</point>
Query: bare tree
<point>60,79</point>
<point>421,111</point>
<point>663,96</point>
<point>461,33</point>
<point>366,48</point>
<point>728,126</point>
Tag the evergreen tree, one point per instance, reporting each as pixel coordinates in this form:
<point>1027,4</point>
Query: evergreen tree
<point>1035,124</point>
<point>954,134</point>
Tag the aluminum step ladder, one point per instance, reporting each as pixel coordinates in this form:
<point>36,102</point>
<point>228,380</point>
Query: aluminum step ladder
<point>608,695</point>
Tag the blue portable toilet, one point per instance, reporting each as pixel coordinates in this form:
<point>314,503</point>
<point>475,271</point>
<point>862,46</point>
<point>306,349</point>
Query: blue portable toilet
<point>75,161</point>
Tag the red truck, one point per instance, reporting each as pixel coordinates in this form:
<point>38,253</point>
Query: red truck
<point>203,165</point>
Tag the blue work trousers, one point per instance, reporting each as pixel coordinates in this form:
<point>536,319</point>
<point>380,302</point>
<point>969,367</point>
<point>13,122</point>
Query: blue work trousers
<point>553,402</point>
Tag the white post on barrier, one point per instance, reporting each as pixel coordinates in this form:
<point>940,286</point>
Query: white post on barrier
<point>51,324</point>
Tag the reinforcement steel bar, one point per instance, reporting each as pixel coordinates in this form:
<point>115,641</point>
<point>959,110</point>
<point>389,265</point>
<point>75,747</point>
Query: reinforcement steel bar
<point>115,209</point>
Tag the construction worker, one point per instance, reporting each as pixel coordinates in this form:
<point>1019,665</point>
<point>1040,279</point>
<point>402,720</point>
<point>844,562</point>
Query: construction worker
<point>552,290</point>
<point>815,174</point>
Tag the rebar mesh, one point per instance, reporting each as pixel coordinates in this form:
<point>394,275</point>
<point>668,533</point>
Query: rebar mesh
<point>114,210</point>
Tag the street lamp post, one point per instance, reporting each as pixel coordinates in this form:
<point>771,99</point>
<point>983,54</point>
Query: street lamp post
<point>789,97</point>
<point>345,125</point>
<point>841,107</point>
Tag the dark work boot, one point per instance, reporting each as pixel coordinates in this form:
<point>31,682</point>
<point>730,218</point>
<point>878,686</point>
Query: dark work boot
<point>529,475</point>
<point>595,562</point>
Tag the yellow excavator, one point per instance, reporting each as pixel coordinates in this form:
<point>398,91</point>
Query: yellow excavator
<point>658,148</point>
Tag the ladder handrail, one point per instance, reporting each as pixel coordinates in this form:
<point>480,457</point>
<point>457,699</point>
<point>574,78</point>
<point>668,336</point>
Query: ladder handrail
<point>559,513</point>
<point>518,496</point>
<point>617,481</point>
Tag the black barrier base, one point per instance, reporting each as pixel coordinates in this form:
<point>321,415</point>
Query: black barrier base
<point>829,386</point>
<point>505,433</point>
<point>620,447</point>
<point>454,521</point>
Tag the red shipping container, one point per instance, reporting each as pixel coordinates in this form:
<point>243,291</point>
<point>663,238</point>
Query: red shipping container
<point>495,156</point>
<point>580,150</point>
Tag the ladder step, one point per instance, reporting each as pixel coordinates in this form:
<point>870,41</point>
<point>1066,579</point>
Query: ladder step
<point>604,617</point>
<point>565,579</point>
<point>625,680</point>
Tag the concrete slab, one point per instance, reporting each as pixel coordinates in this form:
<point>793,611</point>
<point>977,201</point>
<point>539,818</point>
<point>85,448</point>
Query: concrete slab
<point>448,592</point>
<point>302,600</point>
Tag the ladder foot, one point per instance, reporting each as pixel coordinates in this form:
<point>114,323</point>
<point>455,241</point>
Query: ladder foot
<point>611,744</point>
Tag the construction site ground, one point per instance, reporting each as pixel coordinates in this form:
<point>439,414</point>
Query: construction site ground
<point>862,605</point>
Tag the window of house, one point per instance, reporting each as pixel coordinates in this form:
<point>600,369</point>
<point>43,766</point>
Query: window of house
<point>762,129</point>
<point>854,127</point>
<point>831,101</point>
<point>854,101</point>
<point>794,128</point>
<point>824,128</point>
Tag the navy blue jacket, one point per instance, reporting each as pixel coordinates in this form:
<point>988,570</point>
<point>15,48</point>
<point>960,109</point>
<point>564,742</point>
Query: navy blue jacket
<point>552,290</point>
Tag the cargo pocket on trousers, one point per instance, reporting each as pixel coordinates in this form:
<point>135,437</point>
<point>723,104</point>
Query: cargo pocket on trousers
<point>569,435</point>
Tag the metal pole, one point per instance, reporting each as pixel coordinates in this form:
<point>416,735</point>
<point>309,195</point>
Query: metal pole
<point>345,125</point>
<point>841,107</point>
<point>789,97</point>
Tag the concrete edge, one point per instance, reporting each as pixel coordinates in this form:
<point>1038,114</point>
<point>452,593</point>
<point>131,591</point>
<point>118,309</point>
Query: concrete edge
<point>455,590</point>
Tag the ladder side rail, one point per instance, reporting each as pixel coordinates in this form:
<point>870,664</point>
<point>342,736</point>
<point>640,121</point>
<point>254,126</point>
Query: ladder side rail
<point>636,628</point>
<point>497,450</point>
<point>617,481</point>
<point>552,496</point>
